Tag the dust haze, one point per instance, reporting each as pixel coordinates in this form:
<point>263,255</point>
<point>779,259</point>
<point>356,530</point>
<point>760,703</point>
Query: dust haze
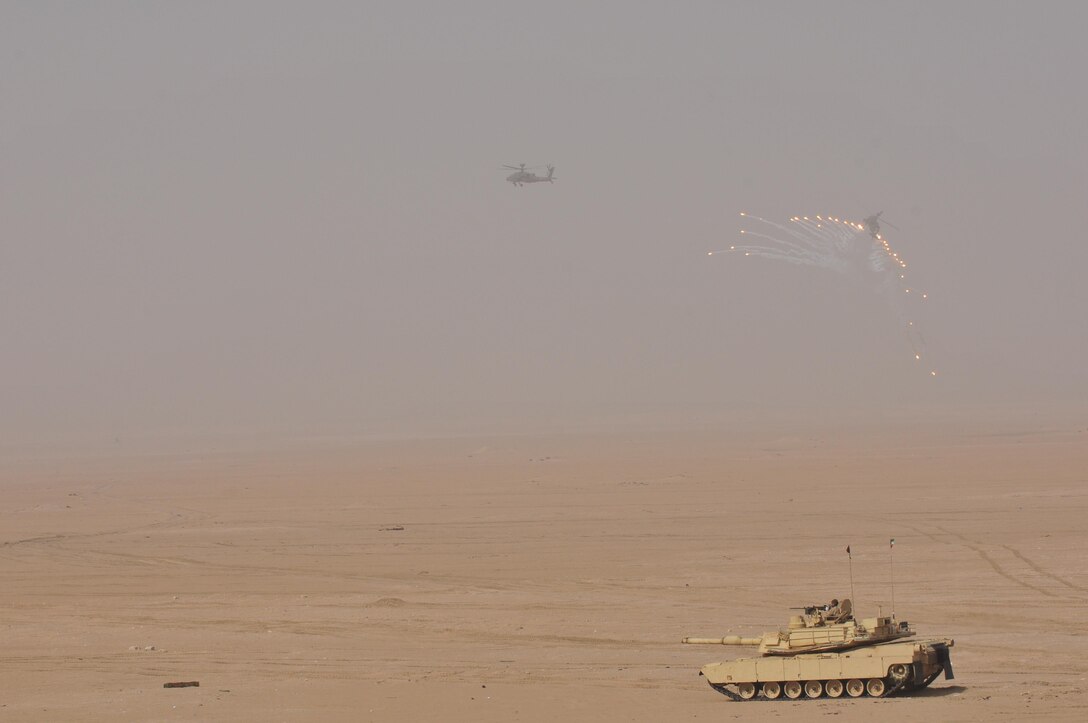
<point>263,219</point>
<point>300,399</point>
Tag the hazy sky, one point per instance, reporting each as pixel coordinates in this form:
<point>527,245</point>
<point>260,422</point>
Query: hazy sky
<point>290,218</point>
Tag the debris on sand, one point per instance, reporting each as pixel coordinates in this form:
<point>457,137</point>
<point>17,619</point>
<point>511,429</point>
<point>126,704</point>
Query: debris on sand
<point>183,684</point>
<point>391,528</point>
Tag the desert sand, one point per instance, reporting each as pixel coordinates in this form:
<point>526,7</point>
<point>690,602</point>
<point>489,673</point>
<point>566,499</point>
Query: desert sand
<point>528,578</point>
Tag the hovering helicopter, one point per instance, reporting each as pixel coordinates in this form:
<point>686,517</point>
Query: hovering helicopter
<point>872,224</point>
<point>521,176</point>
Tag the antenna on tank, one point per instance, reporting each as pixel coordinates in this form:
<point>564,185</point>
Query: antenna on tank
<point>851,562</point>
<point>891,570</point>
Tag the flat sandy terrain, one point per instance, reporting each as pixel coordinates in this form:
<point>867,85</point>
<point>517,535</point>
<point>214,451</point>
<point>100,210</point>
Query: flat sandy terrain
<point>532,579</point>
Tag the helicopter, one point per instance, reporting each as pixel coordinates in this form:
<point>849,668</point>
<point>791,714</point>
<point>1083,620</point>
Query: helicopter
<point>872,224</point>
<point>521,176</point>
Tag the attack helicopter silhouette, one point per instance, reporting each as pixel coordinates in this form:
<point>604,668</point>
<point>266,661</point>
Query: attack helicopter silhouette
<point>872,224</point>
<point>521,176</point>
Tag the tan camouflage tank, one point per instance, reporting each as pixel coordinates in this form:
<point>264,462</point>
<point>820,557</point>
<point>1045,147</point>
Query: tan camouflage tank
<point>826,652</point>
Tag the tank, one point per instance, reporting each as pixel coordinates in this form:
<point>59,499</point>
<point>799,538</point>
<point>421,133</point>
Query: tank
<point>826,652</point>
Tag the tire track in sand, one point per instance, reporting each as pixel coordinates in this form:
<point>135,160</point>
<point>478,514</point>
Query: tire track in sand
<point>1020,556</point>
<point>978,549</point>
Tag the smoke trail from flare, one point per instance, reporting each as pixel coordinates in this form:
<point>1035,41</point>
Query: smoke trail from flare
<point>846,247</point>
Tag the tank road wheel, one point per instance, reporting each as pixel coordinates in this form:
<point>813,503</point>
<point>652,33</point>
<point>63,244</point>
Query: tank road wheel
<point>855,688</point>
<point>813,689</point>
<point>792,689</point>
<point>747,691</point>
<point>875,686</point>
<point>772,690</point>
<point>833,688</point>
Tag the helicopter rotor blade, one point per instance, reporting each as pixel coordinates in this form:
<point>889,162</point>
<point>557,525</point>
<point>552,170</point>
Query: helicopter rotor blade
<point>889,224</point>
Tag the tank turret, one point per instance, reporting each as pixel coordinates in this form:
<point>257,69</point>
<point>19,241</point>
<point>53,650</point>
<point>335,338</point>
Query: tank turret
<point>821,628</point>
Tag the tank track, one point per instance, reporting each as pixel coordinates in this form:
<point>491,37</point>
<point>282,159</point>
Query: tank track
<point>895,686</point>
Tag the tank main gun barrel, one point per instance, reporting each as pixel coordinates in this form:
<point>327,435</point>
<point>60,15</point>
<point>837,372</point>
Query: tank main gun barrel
<point>727,640</point>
